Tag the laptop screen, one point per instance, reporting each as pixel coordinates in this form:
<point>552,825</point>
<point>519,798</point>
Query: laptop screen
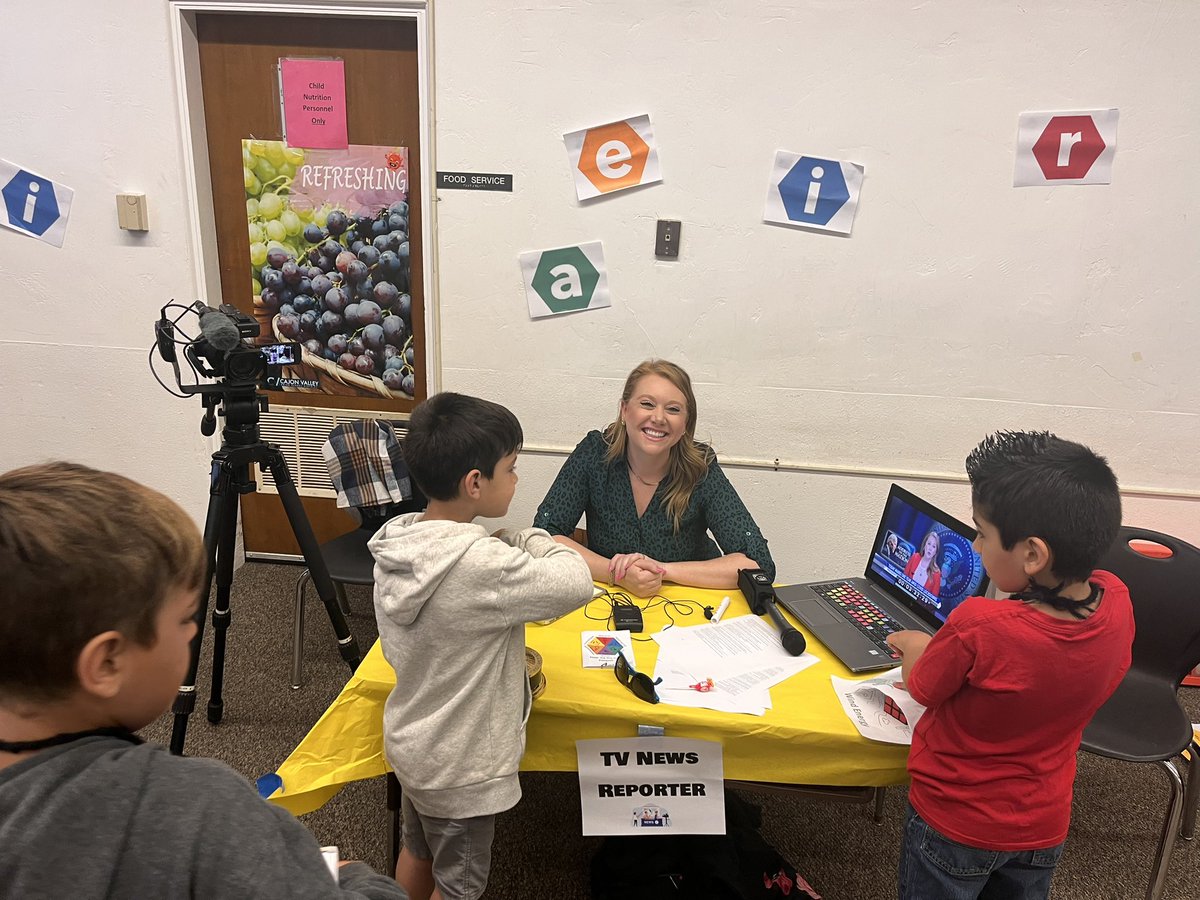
<point>923,557</point>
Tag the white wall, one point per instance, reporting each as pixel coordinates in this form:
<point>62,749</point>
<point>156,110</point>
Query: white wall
<point>960,304</point>
<point>89,102</point>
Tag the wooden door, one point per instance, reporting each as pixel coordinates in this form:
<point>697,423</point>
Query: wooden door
<point>238,57</point>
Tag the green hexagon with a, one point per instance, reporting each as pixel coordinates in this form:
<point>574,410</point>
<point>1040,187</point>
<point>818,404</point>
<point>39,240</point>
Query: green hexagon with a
<point>565,279</point>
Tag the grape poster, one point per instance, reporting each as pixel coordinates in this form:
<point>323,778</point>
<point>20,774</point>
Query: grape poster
<point>329,265</point>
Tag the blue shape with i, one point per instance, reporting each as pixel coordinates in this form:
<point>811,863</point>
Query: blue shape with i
<point>813,190</point>
<point>30,202</point>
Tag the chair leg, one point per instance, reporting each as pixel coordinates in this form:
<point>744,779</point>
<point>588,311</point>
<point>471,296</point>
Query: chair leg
<point>393,806</point>
<point>298,633</point>
<point>1192,793</point>
<point>1166,843</point>
<point>878,816</point>
<point>340,590</point>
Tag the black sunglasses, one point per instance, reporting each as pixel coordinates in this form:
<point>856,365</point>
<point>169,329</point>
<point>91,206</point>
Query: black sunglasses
<point>641,685</point>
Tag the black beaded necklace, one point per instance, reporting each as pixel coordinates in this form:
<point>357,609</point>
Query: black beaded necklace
<point>26,746</point>
<point>1037,593</point>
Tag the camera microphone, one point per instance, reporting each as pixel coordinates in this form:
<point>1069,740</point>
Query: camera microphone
<point>220,331</point>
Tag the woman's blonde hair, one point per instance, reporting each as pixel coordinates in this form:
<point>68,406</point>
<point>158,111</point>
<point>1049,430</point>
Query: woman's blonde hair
<point>938,538</point>
<point>689,458</point>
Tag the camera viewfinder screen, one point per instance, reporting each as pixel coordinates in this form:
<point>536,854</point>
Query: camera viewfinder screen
<point>281,354</point>
<point>925,556</point>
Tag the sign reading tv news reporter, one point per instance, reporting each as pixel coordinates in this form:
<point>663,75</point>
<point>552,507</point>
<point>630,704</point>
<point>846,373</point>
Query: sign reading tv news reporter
<point>652,785</point>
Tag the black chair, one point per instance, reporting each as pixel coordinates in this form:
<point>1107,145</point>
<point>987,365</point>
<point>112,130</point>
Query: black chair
<point>349,562</point>
<point>1143,721</point>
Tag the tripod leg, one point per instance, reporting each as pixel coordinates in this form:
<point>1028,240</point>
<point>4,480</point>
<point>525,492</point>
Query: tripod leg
<point>347,646</point>
<point>185,701</point>
<point>226,548</point>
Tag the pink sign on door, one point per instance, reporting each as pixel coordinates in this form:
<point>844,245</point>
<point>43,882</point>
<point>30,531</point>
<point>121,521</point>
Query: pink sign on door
<point>314,103</point>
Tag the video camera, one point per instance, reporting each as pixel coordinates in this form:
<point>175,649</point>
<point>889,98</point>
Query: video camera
<point>222,352</point>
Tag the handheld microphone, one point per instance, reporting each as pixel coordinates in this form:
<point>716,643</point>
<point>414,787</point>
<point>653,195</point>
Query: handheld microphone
<point>756,587</point>
<point>792,640</point>
<point>218,329</point>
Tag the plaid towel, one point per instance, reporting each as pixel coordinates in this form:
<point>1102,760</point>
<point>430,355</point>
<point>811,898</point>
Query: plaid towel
<point>366,465</point>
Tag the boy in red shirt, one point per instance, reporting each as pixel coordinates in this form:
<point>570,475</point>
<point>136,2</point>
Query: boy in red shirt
<point>1011,684</point>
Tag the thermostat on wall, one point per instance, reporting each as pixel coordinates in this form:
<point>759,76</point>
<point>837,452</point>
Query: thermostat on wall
<point>131,212</point>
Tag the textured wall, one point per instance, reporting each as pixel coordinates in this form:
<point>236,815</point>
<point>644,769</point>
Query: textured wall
<point>960,304</point>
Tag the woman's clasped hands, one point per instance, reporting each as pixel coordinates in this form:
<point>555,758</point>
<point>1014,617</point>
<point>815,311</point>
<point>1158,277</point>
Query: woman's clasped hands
<point>637,573</point>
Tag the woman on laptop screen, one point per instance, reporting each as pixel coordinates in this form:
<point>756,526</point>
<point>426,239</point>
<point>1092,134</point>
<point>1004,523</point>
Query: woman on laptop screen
<point>652,494</point>
<point>923,567</point>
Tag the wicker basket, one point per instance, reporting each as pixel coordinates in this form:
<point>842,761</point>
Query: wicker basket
<point>339,382</point>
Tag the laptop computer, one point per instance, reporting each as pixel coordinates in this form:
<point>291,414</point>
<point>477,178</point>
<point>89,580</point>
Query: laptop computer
<point>921,566</point>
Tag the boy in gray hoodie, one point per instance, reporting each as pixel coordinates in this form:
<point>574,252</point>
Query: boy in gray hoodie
<point>452,603</point>
<point>101,581</point>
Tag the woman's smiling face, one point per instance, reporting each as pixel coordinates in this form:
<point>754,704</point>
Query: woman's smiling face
<point>655,415</point>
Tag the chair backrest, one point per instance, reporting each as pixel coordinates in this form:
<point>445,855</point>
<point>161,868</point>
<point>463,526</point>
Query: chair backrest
<point>374,517</point>
<point>1165,591</point>
<point>367,468</point>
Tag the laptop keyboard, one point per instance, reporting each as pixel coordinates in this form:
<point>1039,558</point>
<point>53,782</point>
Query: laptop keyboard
<point>860,612</point>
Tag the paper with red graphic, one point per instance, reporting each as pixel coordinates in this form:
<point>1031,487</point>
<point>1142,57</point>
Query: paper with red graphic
<point>879,709</point>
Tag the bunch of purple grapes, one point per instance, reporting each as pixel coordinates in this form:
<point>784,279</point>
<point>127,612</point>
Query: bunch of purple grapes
<point>346,299</point>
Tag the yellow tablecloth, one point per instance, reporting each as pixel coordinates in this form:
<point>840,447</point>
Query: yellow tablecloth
<point>805,738</point>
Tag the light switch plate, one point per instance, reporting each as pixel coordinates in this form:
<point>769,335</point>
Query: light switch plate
<point>666,244</point>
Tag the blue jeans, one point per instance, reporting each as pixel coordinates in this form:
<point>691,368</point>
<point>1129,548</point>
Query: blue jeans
<point>933,867</point>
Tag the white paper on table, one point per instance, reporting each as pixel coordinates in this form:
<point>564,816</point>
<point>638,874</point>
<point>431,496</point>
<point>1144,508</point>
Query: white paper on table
<point>676,690</point>
<point>730,647</point>
<point>742,656</point>
<point>864,703</point>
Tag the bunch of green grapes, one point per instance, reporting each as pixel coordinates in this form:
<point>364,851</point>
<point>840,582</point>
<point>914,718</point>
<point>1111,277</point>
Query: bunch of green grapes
<point>268,168</point>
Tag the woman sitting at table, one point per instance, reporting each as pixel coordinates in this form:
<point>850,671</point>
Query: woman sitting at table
<point>652,494</point>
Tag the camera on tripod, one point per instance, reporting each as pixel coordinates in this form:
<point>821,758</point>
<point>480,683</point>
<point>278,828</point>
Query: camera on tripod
<point>222,352</point>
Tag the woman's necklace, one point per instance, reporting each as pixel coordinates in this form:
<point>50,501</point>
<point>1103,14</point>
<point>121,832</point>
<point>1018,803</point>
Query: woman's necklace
<point>641,479</point>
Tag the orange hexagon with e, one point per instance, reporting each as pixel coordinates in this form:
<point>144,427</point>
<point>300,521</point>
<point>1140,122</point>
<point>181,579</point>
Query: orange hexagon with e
<point>613,157</point>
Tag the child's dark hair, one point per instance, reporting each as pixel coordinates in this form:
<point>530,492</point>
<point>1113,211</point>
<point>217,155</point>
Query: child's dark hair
<point>450,434</point>
<point>83,552</point>
<point>1035,484</point>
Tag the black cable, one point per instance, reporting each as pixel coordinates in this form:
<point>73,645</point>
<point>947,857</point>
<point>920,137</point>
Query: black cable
<point>672,608</point>
<point>166,387</point>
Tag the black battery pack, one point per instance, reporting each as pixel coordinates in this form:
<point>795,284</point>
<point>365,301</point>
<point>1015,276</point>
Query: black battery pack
<point>627,617</point>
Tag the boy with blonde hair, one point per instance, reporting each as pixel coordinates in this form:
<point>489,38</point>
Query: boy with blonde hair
<point>100,586</point>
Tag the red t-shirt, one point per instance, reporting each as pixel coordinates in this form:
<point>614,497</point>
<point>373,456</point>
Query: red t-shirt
<point>1009,691</point>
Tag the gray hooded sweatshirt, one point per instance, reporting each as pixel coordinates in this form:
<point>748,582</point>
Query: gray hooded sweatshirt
<point>103,818</point>
<point>452,603</point>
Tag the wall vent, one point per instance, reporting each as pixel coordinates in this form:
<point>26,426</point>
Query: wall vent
<point>300,434</point>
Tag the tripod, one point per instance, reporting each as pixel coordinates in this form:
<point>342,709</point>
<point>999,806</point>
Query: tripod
<point>241,446</point>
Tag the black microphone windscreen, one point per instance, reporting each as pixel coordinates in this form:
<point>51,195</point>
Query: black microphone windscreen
<point>793,642</point>
<point>219,330</point>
